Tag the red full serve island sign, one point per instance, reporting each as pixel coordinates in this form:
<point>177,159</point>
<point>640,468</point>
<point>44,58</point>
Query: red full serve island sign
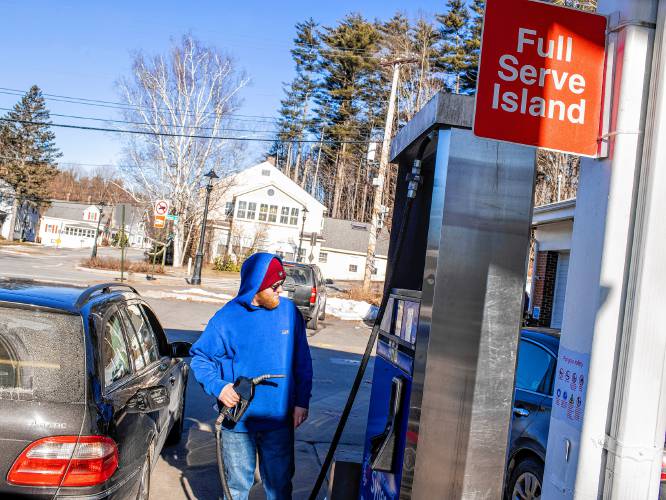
<point>541,76</point>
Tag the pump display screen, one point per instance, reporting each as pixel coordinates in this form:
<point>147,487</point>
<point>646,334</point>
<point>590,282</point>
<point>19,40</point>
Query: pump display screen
<point>401,320</point>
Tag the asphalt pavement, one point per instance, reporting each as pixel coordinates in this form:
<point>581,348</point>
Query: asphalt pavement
<point>188,470</point>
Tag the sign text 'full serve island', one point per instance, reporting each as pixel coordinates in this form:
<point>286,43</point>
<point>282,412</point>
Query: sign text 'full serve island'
<point>541,76</point>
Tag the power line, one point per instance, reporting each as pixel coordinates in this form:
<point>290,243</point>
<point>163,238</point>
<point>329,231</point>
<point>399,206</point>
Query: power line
<point>170,134</point>
<point>78,117</point>
<point>117,105</point>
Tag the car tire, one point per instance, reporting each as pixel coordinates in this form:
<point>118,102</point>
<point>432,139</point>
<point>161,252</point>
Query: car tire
<point>176,432</point>
<point>313,322</point>
<point>322,314</point>
<point>144,484</point>
<point>526,480</point>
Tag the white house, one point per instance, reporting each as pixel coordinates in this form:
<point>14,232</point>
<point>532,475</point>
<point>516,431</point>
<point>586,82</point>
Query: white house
<point>344,247</point>
<point>262,209</point>
<point>25,226</point>
<point>74,225</point>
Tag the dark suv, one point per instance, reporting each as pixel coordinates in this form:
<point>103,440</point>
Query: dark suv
<point>306,287</point>
<point>90,391</point>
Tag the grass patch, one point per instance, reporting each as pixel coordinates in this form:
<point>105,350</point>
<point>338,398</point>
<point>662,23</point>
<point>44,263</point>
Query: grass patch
<point>113,264</point>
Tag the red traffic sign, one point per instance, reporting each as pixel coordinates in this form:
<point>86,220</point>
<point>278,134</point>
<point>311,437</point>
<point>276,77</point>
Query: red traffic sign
<point>161,207</point>
<point>160,221</point>
<point>540,77</point>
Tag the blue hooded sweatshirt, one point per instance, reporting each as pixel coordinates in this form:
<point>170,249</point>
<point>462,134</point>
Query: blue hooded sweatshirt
<point>247,340</point>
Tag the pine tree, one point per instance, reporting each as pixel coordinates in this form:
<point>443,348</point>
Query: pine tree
<point>453,60</point>
<point>424,38</point>
<point>346,103</point>
<point>27,150</point>
<point>473,47</point>
<point>295,112</point>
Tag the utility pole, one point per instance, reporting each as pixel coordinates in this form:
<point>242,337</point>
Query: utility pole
<point>381,175</point>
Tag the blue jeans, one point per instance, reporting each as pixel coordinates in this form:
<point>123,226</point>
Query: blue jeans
<point>276,461</point>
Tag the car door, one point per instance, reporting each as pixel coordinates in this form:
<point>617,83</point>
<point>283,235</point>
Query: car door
<point>178,369</point>
<point>151,369</point>
<point>532,400</point>
<point>132,432</point>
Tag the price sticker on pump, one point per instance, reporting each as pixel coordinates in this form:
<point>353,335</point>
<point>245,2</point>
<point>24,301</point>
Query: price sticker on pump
<point>540,78</point>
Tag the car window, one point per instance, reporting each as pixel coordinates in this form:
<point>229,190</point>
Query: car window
<point>114,351</point>
<point>42,355</point>
<point>299,275</point>
<point>135,350</point>
<point>535,366</point>
<point>144,333</point>
<point>160,335</point>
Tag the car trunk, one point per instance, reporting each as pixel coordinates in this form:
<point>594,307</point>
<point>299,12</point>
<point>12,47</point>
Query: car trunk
<point>42,382</point>
<point>298,285</point>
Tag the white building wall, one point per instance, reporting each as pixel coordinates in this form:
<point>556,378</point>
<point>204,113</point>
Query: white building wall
<point>252,186</point>
<point>555,236</point>
<point>53,232</point>
<point>337,265</point>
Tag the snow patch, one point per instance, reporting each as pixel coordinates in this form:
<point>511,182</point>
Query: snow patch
<point>191,295</point>
<point>351,310</point>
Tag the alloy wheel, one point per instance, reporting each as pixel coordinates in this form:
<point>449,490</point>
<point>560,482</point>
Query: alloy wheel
<point>527,487</point>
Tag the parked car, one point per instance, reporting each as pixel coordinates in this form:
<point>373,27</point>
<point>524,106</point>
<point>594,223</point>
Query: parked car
<point>535,371</point>
<point>305,285</point>
<point>90,391</point>
<point>535,375</point>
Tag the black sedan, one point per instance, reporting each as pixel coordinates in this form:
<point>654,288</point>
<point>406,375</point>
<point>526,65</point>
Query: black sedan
<point>90,391</point>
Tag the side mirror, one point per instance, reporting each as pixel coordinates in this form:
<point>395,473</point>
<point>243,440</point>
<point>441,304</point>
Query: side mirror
<point>180,349</point>
<point>148,400</point>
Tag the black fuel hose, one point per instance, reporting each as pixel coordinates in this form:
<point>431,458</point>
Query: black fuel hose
<point>371,341</point>
<point>220,458</point>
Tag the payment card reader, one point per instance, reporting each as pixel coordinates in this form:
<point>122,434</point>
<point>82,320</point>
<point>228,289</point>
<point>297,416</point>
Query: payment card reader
<point>386,432</point>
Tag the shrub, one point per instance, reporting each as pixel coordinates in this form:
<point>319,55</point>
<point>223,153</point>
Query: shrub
<point>226,264</point>
<point>120,240</point>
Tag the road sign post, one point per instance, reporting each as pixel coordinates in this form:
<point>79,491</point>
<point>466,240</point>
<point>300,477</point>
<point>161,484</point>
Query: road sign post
<point>541,76</point>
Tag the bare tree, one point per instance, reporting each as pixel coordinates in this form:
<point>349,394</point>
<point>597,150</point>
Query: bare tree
<point>182,101</point>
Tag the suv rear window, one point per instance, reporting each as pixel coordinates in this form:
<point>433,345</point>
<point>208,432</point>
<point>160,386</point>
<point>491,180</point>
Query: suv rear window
<point>41,356</point>
<point>299,275</point>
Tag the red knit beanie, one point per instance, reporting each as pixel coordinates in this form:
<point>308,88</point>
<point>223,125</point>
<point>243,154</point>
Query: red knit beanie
<point>274,274</point>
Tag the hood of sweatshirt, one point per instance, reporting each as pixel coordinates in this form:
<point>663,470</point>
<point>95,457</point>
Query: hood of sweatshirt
<point>252,274</point>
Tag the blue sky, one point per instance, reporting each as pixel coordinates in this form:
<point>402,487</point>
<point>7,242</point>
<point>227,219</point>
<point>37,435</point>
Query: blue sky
<point>81,48</point>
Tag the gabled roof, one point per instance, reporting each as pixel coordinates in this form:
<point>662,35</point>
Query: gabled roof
<point>69,210</point>
<point>277,177</point>
<point>351,236</point>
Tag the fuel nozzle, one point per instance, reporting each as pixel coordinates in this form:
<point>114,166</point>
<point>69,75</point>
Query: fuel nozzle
<point>244,387</point>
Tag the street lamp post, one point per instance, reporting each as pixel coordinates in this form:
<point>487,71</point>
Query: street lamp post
<point>101,206</point>
<point>300,240</point>
<point>198,259</point>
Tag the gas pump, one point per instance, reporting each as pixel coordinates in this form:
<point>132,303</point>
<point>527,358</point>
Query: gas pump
<point>441,400</point>
<point>386,432</point>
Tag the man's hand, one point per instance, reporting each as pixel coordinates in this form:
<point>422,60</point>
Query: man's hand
<point>228,396</point>
<point>300,416</point>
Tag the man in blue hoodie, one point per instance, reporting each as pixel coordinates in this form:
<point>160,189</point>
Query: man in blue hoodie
<point>253,334</point>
